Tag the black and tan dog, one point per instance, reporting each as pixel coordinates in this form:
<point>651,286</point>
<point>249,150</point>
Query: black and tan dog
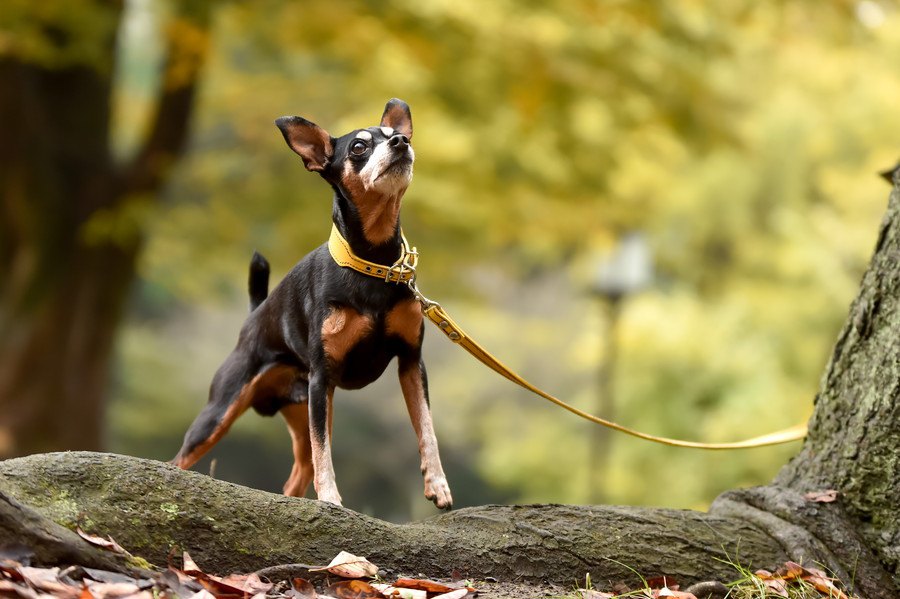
<point>326,326</point>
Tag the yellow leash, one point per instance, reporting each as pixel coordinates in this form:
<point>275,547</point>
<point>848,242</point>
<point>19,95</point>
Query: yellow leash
<point>404,271</point>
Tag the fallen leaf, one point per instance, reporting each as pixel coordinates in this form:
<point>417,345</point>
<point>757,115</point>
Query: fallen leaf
<point>11,589</point>
<point>348,565</point>
<point>203,594</point>
<point>219,588</point>
<point>85,594</point>
<point>457,594</point>
<point>592,594</point>
<point>667,593</point>
<point>385,589</point>
<point>107,543</point>
<point>824,584</point>
<point>188,564</point>
<point>658,582</point>
<point>250,583</point>
<point>355,589</point>
<point>776,585</point>
<point>401,593</point>
<point>822,496</point>
<point>794,571</point>
<point>104,590</point>
<point>303,589</point>
<point>46,579</point>
<point>430,586</point>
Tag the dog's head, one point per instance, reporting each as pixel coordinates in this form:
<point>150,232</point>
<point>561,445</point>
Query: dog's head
<point>366,164</point>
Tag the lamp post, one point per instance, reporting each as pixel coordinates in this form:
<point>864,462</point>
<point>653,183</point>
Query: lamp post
<point>624,271</point>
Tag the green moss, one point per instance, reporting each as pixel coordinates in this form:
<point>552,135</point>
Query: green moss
<point>171,510</point>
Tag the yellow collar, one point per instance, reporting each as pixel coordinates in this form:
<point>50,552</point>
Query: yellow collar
<point>402,271</point>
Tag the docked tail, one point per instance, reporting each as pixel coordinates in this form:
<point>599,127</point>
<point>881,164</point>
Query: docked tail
<point>258,282</point>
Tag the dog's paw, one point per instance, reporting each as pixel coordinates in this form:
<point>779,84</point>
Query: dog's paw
<point>438,491</point>
<point>331,497</point>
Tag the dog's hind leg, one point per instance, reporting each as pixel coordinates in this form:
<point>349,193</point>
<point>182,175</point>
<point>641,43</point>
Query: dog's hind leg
<point>233,390</point>
<point>296,415</point>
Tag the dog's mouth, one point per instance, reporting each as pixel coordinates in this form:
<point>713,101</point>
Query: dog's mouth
<point>400,165</point>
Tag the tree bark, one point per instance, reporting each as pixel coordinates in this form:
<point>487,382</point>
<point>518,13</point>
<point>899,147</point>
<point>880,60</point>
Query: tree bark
<point>854,435</point>
<point>64,283</point>
<point>149,507</point>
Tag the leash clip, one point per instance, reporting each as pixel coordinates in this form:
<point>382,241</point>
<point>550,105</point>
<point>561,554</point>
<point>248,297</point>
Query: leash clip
<point>406,263</point>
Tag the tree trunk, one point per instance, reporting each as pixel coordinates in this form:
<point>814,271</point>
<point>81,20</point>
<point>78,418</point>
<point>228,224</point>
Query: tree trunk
<point>148,507</point>
<point>854,434</point>
<point>854,442</point>
<point>67,246</point>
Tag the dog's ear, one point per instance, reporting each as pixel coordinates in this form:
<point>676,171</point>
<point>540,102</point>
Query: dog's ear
<point>397,117</point>
<point>314,145</point>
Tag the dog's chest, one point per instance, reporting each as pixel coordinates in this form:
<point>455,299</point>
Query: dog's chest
<point>359,345</point>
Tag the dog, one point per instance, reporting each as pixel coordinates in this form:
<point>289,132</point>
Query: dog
<point>326,326</point>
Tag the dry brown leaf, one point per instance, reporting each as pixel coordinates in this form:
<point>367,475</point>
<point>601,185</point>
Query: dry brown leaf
<point>827,496</point>
<point>107,543</point>
<point>188,564</point>
<point>401,593</point>
<point>793,571</point>
<point>776,585</point>
<point>824,584</point>
<point>430,586</point>
<point>204,594</point>
<point>218,588</point>
<point>85,594</point>
<point>46,579</point>
<point>250,583</point>
<point>106,590</point>
<point>385,589</point>
<point>354,589</point>
<point>9,588</point>
<point>303,589</point>
<point>667,593</point>
<point>457,594</point>
<point>592,594</point>
<point>348,565</point>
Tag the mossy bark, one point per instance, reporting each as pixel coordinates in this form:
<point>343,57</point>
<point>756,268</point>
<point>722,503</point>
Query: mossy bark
<point>854,434</point>
<point>853,444</point>
<point>150,507</point>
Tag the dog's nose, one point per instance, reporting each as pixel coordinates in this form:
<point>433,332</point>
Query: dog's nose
<point>399,141</point>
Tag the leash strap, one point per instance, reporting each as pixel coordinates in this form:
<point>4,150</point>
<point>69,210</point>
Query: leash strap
<point>404,271</point>
<point>442,320</point>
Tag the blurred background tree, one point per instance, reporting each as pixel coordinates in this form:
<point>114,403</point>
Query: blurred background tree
<point>71,210</point>
<point>740,138</point>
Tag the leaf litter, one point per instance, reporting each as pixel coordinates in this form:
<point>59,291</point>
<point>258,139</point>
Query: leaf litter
<point>19,579</point>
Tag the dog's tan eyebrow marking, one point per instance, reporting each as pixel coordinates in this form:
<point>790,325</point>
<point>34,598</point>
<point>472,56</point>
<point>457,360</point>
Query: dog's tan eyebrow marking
<point>364,135</point>
<point>387,131</point>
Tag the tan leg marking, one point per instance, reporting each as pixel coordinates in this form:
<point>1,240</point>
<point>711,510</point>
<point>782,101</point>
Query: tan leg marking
<point>405,321</point>
<point>436,487</point>
<point>274,382</point>
<point>297,418</point>
<point>326,487</point>
<point>341,330</point>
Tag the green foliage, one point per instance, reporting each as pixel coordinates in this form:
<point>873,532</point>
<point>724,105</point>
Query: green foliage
<point>741,137</point>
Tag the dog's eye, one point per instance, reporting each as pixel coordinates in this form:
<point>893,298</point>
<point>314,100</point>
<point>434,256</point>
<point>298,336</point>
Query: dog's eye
<point>358,147</point>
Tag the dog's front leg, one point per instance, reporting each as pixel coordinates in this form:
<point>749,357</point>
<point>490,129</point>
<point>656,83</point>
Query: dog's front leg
<point>320,398</point>
<point>414,383</point>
